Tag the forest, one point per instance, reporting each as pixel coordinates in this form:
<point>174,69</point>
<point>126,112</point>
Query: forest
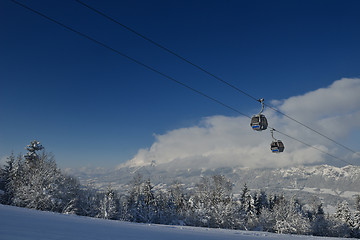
<point>34,181</point>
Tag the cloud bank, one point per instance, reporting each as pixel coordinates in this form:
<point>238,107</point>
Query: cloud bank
<point>220,141</point>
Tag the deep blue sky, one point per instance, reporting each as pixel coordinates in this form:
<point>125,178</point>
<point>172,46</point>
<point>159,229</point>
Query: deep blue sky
<point>92,107</point>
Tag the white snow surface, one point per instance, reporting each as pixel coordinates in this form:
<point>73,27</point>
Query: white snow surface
<point>26,224</point>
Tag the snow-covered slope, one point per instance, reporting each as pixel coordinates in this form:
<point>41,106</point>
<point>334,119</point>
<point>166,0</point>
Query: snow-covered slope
<point>26,224</point>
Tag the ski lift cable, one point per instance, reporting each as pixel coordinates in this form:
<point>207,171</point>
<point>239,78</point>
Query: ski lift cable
<point>164,48</point>
<point>131,59</point>
<point>211,74</point>
<point>311,146</point>
<point>319,133</point>
<point>162,74</point>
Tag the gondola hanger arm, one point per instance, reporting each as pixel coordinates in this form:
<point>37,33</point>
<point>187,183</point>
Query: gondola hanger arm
<point>261,100</point>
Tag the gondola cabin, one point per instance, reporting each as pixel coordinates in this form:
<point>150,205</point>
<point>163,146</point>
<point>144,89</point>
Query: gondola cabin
<point>277,146</point>
<point>259,122</point>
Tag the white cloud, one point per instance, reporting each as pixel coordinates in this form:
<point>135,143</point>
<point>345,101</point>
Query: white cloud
<point>340,98</point>
<point>220,141</point>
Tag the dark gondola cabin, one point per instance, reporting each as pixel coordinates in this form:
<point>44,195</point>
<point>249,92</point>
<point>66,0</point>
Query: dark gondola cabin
<point>277,146</point>
<point>259,122</point>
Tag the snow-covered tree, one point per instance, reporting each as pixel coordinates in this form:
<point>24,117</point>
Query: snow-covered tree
<point>260,202</point>
<point>149,205</point>
<point>244,197</point>
<point>356,224</point>
<point>34,181</point>
<point>341,223</point>
<point>212,204</point>
<point>200,204</point>
<point>177,196</point>
<point>248,209</point>
<point>273,199</point>
<point>70,195</point>
<point>174,204</point>
<point>356,218</point>
<point>141,205</point>
<point>40,186</point>
<point>32,155</point>
<point>289,217</point>
<point>357,202</point>
<point>89,202</point>
<point>109,205</point>
<point>133,201</point>
<point>225,211</point>
<point>8,176</point>
<point>343,213</point>
<point>317,218</point>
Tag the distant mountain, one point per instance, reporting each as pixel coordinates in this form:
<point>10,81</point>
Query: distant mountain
<point>329,183</point>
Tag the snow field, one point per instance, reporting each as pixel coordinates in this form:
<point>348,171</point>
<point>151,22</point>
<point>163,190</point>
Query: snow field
<point>26,224</point>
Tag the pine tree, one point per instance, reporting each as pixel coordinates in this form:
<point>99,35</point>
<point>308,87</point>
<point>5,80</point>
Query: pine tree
<point>177,204</point>
<point>356,218</point>
<point>149,203</point>
<point>356,224</point>
<point>319,224</point>
<point>177,196</point>
<point>133,204</point>
<point>109,205</point>
<point>273,199</point>
<point>267,220</point>
<point>141,203</point>
<point>32,156</point>
<point>248,209</point>
<point>357,202</point>
<point>342,222</point>
<point>8,176</point>
<point>343,213</point>
<point>244,197</point>
<point>260,201</point>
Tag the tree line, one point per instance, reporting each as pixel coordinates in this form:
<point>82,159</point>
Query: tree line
<point>34,181</point>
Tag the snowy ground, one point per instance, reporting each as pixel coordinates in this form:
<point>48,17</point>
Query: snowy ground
<point>26,224</point>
